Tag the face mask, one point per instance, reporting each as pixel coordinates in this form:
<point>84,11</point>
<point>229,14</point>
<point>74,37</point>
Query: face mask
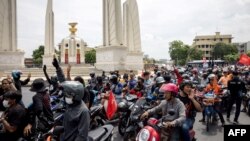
<point>69,100</point>
<point>6,104</point>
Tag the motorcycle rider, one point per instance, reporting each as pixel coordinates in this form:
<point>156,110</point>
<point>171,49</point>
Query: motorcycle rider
<point>13,118</point>
<point>87,97</point>
<point>215,88</point>
<point>225,78</point>
<point>116,88</point>
<point>236,88</point>
<point>147,83</point>
<point>53,81</point>
<point>16,74</point>
<point>76,118</point>
<point>171,102</point>
<point>187,96</point>
<point>6,87</point>
<point>132,81</point>
<point>40,109</point>
<point>92,81</point>
<point>159,82</point>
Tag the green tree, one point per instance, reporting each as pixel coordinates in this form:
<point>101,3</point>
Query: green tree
<point>178,52</point>
<point>90,56</point>
<point>231,58</point>
<point>195,54</point>
<point>248,53</point>
<point>220,50</point>
<point>37,55</point>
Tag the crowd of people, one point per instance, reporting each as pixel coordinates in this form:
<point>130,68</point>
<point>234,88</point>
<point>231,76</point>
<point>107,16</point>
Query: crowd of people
<point>176,88</point>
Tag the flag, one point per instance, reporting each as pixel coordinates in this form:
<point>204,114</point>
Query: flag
<point>112,106</point>
<point>244,59</point>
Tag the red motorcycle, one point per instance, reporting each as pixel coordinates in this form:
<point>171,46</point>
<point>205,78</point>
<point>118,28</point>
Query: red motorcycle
<point>152,132</point>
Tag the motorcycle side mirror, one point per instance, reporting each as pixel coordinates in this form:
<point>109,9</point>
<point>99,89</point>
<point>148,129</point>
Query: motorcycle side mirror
<point>58,130</point>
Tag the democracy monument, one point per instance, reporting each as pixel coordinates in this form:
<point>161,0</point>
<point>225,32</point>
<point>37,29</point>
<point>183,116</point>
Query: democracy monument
<point>121,48</point>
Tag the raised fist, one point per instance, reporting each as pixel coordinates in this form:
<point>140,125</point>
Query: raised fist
<point>44,67</point>
<point>55,63</point>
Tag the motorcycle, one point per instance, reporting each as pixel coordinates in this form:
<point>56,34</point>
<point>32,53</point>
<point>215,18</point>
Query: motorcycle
<point>134,123</point>
<point>103,133</point>
<point>210,114</point>
<point>152,132</point>
<point>246,100</point>
<point>124,110</point>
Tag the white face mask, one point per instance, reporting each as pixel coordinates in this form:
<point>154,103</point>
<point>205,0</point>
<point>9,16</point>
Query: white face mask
<point>6,104</point>
<point>69,100</point>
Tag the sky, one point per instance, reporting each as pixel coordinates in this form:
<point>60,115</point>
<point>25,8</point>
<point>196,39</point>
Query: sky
<point>161,21</point>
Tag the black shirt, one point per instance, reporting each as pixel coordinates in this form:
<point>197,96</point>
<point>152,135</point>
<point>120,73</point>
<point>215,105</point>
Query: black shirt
<point>41,109</point>
<point>190,109</point>
<point>236,87</point>
<point>16,116</point>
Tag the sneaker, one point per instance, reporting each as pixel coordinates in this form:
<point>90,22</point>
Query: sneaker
<point>235,122</point>
<point>202,120</point>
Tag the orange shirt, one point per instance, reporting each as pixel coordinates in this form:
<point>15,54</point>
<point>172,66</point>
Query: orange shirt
<point>215,87</point>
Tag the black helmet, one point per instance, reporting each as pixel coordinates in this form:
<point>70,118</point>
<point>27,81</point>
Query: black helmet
<point>74,89</point>
<point>167,78</point>
<point>79,79</point>
<point>185,83</point>
<point>113,78</point>
<point>158,73</point>
<point>92,74</point>
<point>54,79</point>
<point>99,79</point>
<point>159,80</point>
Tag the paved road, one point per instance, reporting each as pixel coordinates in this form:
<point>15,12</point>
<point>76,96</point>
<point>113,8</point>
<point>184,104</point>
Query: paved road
<point>215,134</point>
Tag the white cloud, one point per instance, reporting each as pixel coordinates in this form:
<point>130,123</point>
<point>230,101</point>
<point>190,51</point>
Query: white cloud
<point>161,21</point>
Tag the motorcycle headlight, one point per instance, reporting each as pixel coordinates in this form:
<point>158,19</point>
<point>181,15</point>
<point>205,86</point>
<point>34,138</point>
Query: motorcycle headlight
<point>143,135</point>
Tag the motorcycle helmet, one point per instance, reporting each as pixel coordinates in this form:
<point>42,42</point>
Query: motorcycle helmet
<point>159,80</point>
<point>74,89</point>
<point>185,83</point>
<point>170,87</point>
<point>54,79</point>
<point>211,76</point>
<point>16,74</point>
<point>113,78</point>
<point>158,73</point>
<point>185,76</point>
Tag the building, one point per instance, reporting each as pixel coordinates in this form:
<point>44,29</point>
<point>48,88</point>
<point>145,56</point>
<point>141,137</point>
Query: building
<point>29,62</point>
<point>207,42</point>
<point>243,47</point>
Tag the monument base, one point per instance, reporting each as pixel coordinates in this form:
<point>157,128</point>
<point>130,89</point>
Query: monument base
<point>11,60</point>
<point>111,58</point>
<point>47,60</point>
<point>134,61</point>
